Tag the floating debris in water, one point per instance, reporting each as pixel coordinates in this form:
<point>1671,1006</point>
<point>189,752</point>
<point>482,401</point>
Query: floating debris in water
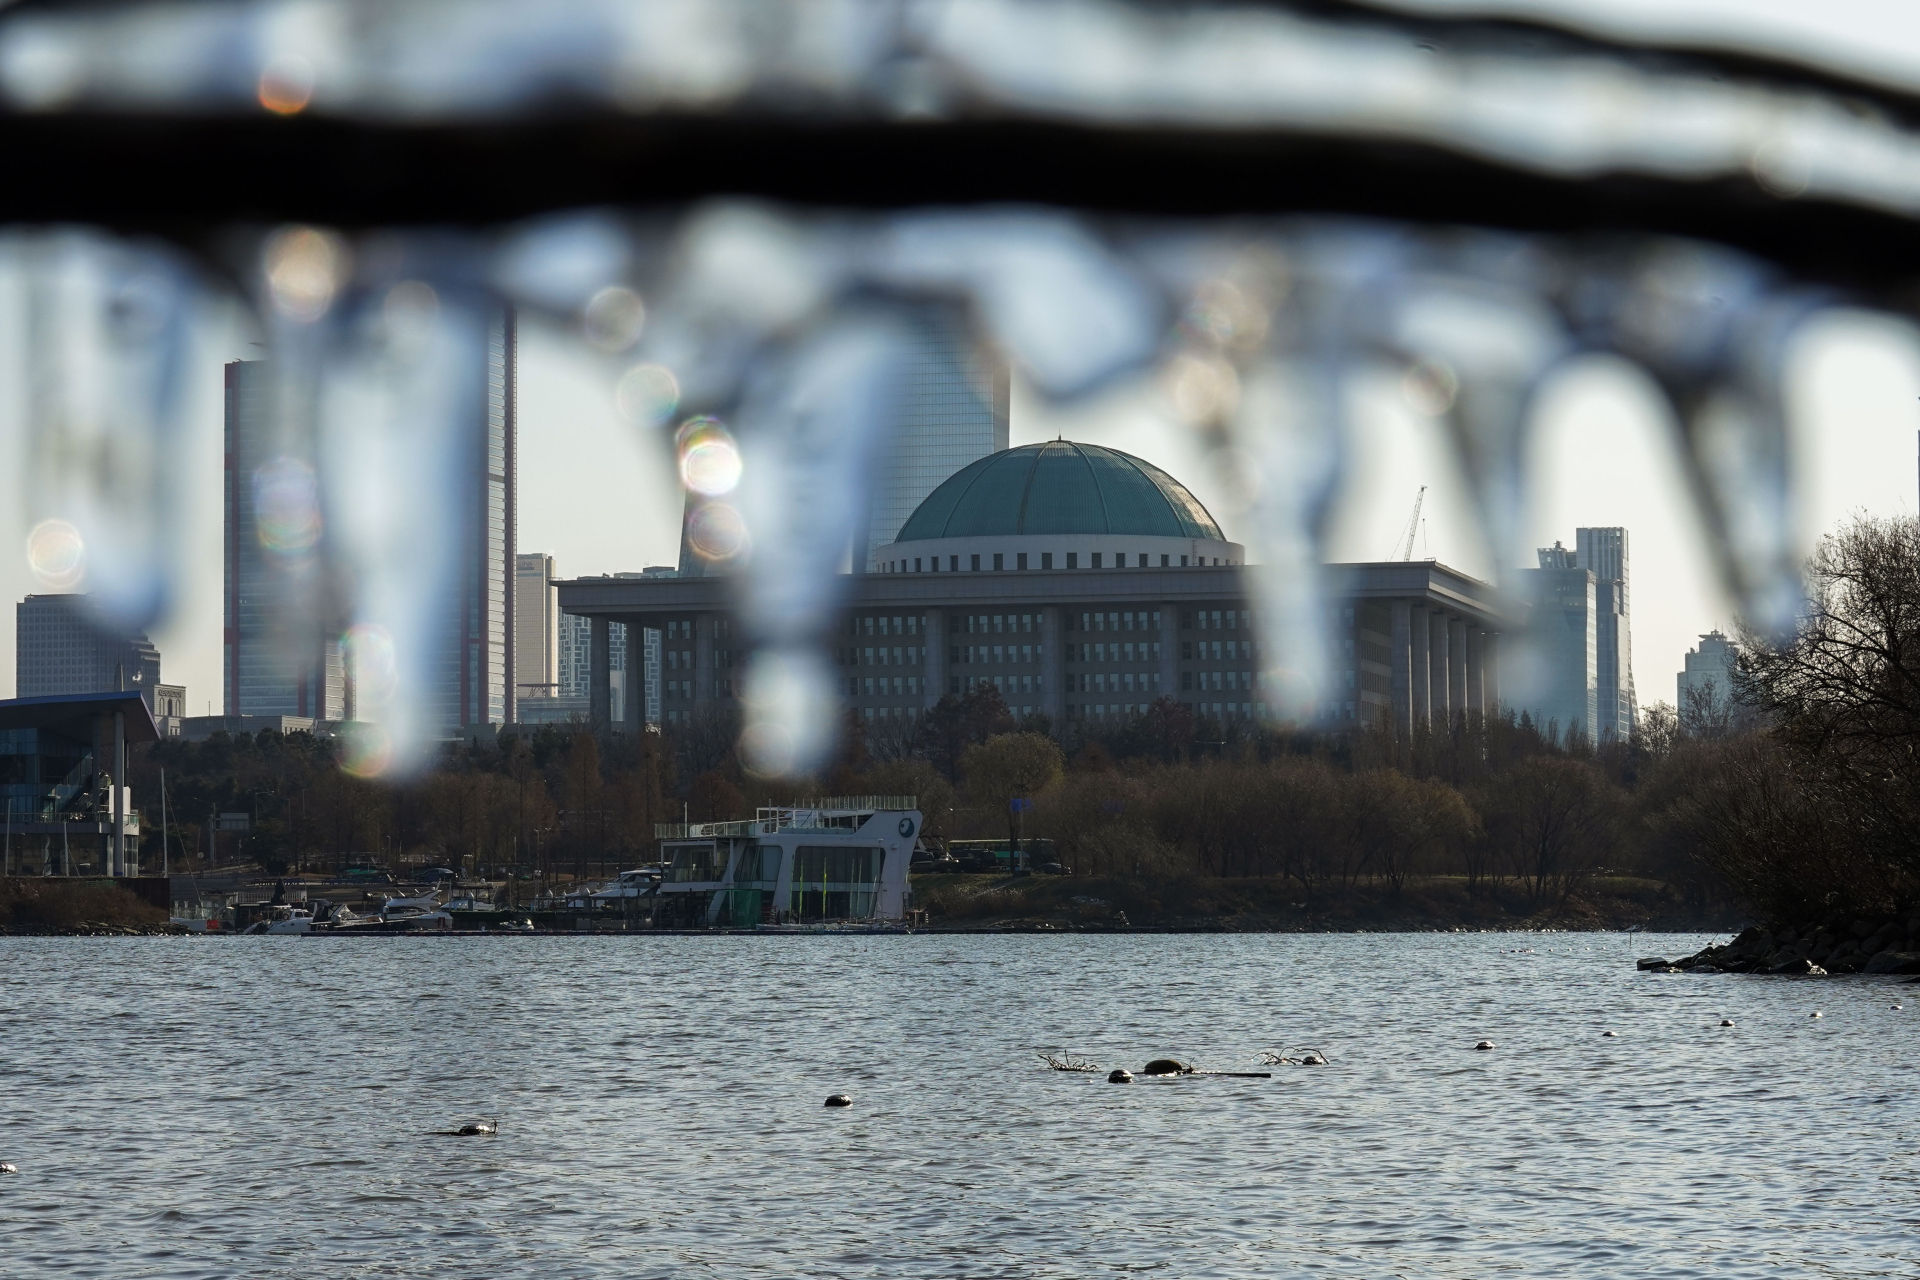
<point>8,1168</point>
<point>1484,1044</point>
<point>1119,1075</point>
<point>839,1100</point>
<point>1815,1014</point>
<point>1166,1067</point>
<point>1069,1063</point>
<point>1609,1035</point>
<point>478,1129</point>
<point>1726,1022</point>
<point>1307,1058</point>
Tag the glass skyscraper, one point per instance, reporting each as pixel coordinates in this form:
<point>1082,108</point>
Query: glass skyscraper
<point>279,657</point>
<point>1603,553</point>
<point>955,412</point>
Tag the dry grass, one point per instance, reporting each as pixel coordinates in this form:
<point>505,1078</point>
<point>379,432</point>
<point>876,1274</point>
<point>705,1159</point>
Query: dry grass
<point>31,904</point>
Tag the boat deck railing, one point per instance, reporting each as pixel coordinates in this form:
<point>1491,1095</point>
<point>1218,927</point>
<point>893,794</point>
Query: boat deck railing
<point>824,814</point>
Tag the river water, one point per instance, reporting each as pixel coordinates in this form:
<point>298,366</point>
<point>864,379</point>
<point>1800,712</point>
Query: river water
<point>269,1106</point>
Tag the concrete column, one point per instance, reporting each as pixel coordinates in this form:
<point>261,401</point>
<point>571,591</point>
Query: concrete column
<point>1476,650</point>
<point>1490,673</point>
<point>1461,700</point>
<point>634,701</point>
<point>1439,656</point>
<point>1420,628</point>
<point>1400,662</point>
<point>1053,666</point>
<point>1170,651</point>
<point>600,674</point>
<point>703,669</point>
<point>934,665</point>
<point>119,842</point>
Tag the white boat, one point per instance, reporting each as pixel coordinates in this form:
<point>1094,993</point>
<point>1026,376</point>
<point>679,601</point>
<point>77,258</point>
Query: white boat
<point>428,901</point>
<point>283,920</point>
<point>840,861</point>
<point>631,884</point>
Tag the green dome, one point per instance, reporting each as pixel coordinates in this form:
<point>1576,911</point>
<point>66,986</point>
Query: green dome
<point>1060,488</point>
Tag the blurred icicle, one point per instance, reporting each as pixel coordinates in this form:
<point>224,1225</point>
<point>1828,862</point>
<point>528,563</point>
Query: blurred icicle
<point>1059,302</point>
<point>1490,346</point>
<point>1713,331</point>
<point>108,328</point>
<point>400,409</point>
<point>810,427</point>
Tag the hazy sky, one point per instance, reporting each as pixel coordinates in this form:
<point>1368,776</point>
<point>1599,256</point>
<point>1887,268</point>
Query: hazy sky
<point>601,500</point>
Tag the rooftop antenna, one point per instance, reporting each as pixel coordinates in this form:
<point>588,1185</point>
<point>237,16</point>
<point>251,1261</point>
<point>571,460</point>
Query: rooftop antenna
<point>1404,547</point>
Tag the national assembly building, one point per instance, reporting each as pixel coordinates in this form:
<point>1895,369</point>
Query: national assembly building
<point>1083,584</point>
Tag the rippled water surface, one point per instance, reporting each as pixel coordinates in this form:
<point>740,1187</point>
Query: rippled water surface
<point>268,1107</point>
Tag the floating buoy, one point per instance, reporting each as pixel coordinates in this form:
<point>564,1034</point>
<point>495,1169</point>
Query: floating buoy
<point>1484,1044</point>
<point>1897,1008</point>
<point>1119,1075</point>
<point>479,1129</point>
<point>1313,1059</point>
<point>8,1168</point>
<point>1726,1022</point>
<point>1814,1014</point>
<point>1609,1035</point>
<point>1166,1067</point>
<point>839,1100</point>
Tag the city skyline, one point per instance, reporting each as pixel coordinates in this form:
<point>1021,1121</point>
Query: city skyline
<point>1854,432</point>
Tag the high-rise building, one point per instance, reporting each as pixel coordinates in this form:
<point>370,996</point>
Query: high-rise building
<point>61,647</point>
<point>1603,553</point>
<point>1553,674</point>
<point>536,627</point>
<point>954,412</point>
<point>1705,686</point>
<point>575,655</point>
<point>283,656</point>
<point>280,651</point>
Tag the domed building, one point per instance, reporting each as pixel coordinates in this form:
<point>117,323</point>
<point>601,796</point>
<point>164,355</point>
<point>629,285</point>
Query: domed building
<point>1058,505</point>
<point>1083,584</point>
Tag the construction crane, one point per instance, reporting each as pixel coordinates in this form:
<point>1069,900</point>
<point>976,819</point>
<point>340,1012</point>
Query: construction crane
<point>1405,545</point>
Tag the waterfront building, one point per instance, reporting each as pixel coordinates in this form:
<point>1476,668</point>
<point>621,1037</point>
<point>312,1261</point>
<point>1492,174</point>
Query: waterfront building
<point>1083,583</point>
<point>61,647</point>
<point>536,627</point>
<point>1706,679</point>
<point>63,768</point>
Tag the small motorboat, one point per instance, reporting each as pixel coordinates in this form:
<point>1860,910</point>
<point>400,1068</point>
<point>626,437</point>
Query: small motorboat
<point>285,919</point>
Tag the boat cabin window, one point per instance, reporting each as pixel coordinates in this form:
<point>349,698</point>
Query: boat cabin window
<point>693,864</point>
<point>833,882</point>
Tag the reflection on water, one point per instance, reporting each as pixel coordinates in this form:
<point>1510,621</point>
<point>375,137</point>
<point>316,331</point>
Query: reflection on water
<point>266,1107</point>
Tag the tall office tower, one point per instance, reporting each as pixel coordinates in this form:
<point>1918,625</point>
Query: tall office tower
<point>280,650</point>
<point>1552,674</point>
<point>536,627</point>
<point>954,412</point>
<point>60,647</point>
<point>488,568</point>
<point>1603,553</point>
<point>1707,680</point>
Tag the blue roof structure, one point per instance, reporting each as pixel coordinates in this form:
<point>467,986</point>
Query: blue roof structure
<point>1060,488</point>
<point>75,714</point>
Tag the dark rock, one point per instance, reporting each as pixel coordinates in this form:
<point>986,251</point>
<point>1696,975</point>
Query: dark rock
<point>839,1100</point>
<point>1704,968</point>
<point>1119,1075</point>
<point>1652,962</point>
<point>1895,962</point>
<point>1797,965</point>
<point>1861,928</point>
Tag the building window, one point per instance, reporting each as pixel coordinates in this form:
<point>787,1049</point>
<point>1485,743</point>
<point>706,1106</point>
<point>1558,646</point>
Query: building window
<point>1021,561</point>
<point>1183,562</point>
<point>1143,559</point>
<point>1163,561</point>
<point>1046,559</point>
<point>999,562</point>
<point>976,564</point>
<point>1096,560</point>
<point>1073,559</point>
<point>916,564</point>
<point>1186,680</point>
<point>953,564</point>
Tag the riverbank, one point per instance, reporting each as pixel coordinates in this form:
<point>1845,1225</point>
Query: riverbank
<point>59,906</point>
<point>971,903</point>
<point>1841,942</point>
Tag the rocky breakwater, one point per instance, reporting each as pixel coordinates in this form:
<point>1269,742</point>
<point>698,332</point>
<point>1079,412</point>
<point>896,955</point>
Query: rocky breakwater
<point>1838,944</point>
